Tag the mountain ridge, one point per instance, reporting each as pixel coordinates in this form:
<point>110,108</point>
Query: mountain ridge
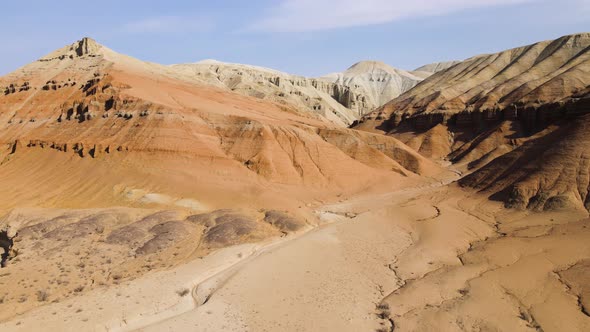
<point>483,113</point>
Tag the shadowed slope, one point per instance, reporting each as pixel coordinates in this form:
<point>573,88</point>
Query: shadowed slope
<point>513,118</point>
<point>550,171</point>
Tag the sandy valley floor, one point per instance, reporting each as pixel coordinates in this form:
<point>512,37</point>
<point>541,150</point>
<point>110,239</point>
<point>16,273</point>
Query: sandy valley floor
<point>429,258</point>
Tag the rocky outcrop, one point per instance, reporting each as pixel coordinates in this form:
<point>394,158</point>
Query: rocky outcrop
<point>16,87</point>
<point>340,97</point>
<point>7,236</point>
<point>84,47</point>
<point>338,103</point>
<point>54,85</point>
<point>533,116</point>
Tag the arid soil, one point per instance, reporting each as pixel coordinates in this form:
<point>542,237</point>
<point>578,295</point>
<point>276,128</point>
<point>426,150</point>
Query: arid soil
<point>136,197</point>
<point>431,257</point>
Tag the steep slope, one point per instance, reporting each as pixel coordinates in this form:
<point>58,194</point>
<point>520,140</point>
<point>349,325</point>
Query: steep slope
<point>435,67</point>
<point>492,115</point>
<point>376,80</point>
<point>533,83</point>
<point>549,171</point>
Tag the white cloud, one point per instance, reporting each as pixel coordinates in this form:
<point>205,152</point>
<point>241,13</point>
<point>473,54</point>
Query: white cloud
<point>310,15</point>
<point>168,24</point>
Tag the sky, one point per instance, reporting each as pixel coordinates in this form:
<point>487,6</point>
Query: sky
<point>305,37</point>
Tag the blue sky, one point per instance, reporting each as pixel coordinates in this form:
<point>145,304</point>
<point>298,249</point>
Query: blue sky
<point>307,37</point>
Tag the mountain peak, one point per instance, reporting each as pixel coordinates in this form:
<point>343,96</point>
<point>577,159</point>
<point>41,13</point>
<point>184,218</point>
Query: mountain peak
<point>370,65</point>
<point>83,47</point>
<point>209,62</point>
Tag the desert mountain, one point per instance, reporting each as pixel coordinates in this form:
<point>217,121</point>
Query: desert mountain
<point>376,80</point>
<point>190,166</point>
<point>143,197</point>
<point>515,105</point>
<point>336,102</point>
<point>340,97</point>
<point>90,101</point>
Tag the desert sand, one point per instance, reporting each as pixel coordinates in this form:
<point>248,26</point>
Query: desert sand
<point>433,257</point>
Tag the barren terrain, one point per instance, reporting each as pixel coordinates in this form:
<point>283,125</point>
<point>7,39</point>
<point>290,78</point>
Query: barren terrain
<point>143,197</point>
<point>431,257</point>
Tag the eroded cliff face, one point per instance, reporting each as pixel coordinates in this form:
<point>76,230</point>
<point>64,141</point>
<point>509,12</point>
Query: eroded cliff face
<point>339,103</point>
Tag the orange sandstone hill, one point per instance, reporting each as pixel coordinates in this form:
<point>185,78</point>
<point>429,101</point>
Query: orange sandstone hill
<point>513,119</point>
<point>86,126</point>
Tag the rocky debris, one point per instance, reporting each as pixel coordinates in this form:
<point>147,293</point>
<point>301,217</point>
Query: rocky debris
<point>6,243</point>
<point>81,149</point>
<point>16,87</point>
<point>56,85</point>
<point>228,227</point>
<point>79,250</point>
<point>94,224</point>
